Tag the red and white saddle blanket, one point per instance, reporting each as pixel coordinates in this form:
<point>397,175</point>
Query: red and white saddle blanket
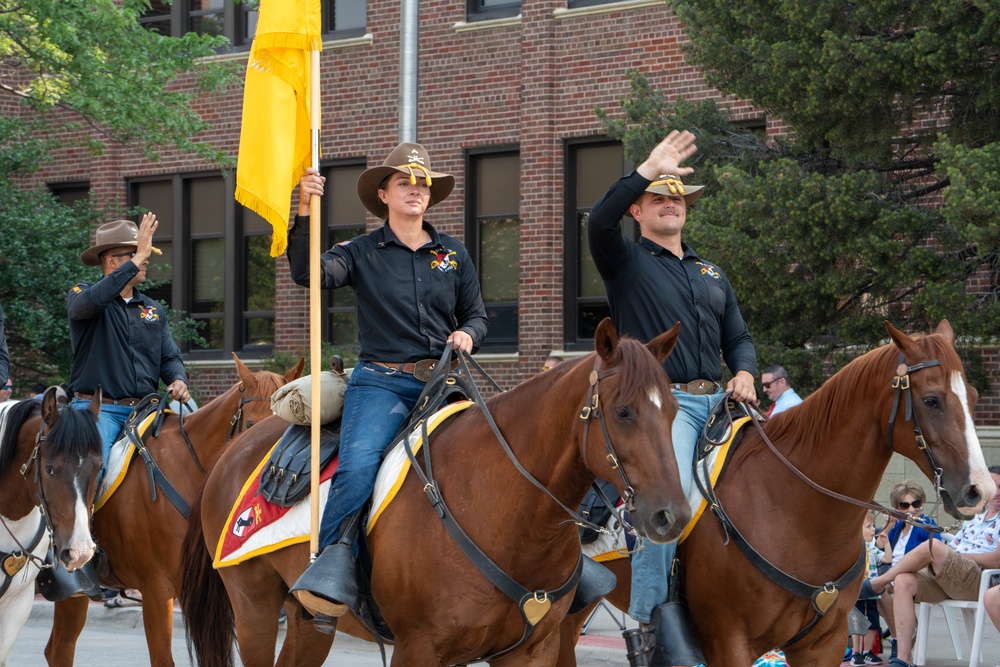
<point>256,526</point>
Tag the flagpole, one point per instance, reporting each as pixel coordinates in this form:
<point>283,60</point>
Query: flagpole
<point>315,306</point>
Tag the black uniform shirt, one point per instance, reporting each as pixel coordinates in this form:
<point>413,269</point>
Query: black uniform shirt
<point>407,301</point>
<point>124,347</point>
<point>650,289</point>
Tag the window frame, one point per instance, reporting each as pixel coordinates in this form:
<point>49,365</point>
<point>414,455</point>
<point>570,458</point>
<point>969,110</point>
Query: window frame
<point>475,11</point>
<point>572,240</point>
<point>473,234</point>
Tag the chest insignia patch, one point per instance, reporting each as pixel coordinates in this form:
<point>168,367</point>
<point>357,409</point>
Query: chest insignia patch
<point>709,270</point>
<point>149,314</point>
<point>444,260</point>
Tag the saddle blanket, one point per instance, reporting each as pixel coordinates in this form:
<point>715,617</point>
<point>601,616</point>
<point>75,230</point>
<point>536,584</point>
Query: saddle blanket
<point>608,547</point>
<point>121,455</point>
<point>715,461</point>
<point>257,526</point>
<point>396,463</point>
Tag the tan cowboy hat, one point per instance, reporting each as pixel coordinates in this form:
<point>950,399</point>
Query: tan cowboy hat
<point>671,186</point>
<point>409,159</point>
<point>111,235</point>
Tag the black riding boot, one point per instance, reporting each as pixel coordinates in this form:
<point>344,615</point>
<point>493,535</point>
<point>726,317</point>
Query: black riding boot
<point>675,640</point>
<point>329,586</point>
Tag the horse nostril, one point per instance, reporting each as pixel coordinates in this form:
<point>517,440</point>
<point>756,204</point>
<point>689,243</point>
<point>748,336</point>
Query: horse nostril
<point>65,556</point>
<point>663,521</point>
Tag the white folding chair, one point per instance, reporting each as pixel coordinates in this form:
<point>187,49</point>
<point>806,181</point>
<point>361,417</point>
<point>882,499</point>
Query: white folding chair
<point>975,618</point>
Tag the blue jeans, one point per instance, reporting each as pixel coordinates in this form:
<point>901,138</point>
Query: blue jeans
<point>376,403</point>
<point>651,564</point>
<point>110,423</point>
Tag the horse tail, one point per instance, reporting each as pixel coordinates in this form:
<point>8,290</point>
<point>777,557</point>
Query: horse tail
<point>208,612</point>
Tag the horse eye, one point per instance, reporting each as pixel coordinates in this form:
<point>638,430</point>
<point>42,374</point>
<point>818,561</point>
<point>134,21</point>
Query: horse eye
<point>932,402</point>
<point>50,471</point>
<point>623,412</point>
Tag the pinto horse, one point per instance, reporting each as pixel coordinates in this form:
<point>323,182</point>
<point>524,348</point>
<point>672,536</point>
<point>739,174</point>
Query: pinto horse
<point>441,608</point>
<point>49,459</point>
<point>841,438</point>
<point>142,537</point>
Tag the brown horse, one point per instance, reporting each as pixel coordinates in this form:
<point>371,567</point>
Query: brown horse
<point>49,459</point>
<point>141,537</point>
<point>840,438</point>
<point>417,566</point>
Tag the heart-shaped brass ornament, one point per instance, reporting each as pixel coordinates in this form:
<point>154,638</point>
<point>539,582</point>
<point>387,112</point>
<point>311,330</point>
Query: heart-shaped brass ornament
<point>535,608</point>
<point>825,598</point>
<point>12,564</point>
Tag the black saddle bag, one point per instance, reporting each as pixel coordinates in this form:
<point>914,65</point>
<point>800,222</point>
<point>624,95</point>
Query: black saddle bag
<point>284,481</point>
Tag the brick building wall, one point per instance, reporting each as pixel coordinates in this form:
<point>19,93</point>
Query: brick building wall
<point>531,82</point>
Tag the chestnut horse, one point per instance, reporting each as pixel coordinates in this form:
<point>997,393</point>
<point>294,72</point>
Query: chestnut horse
<point>441,608</point>
<point>142,537</point>
<point>842,438</point>
<point>49,459</point>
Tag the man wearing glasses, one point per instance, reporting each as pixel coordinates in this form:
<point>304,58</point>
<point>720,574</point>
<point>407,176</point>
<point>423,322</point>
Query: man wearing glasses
<point>121,338</point>
<point>774,379</point>
<point>5,393</point>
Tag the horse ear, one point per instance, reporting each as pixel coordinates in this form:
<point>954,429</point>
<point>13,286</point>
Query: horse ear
<point>906,345</point>
<point>605,339</point>
<point>945,330</point>
<point>50,407</point>
<point>663,345</point>
<point>295,372</point>
<point>246,375</point>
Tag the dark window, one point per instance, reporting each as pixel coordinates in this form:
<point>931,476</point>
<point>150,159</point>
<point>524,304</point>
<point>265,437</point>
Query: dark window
<point>206,273</point>
<point>591,168</point>
<point>493,238</point>
<point>259,279</point>
<point>482,10</point>
<point>70,193</point>
<point>345,219</point>
<point>158,197</point>
<point>238,20</point>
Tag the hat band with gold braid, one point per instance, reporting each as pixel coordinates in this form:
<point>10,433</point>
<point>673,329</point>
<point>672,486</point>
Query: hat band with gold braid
<point>413,179</point>
<point>675,186</point>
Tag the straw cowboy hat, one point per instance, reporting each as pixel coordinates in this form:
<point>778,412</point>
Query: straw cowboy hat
<point>406,158</point>
<point>111,235</point>
<point>669,185</point>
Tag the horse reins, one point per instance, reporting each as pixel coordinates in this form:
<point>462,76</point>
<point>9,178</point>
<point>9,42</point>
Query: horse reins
<point>823,597</point>
<point>533,604</point>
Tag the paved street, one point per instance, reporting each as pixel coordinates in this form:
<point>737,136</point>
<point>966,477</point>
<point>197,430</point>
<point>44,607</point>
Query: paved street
<point>114,637</point>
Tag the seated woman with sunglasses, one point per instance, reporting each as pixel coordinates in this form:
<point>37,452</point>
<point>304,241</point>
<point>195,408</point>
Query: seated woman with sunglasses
<point>898,538</point>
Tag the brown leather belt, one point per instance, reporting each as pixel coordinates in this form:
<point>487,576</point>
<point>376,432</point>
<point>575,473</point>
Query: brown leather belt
<point>422,370</point>
<point>697,387</point>
<point>129,401</point>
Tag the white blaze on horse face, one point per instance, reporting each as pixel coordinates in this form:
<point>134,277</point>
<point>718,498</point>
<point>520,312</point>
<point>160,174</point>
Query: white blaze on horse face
<point>654,397</point>
<point>81,543</point>
<point>978,474</point>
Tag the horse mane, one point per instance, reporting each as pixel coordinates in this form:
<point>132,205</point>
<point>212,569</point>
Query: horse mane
<point>17,414</point>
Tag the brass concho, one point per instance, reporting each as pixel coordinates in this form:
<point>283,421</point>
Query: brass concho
<point>535,608</point>
<point>12,564</point>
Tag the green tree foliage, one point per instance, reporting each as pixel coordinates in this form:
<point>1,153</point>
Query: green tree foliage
<point>66,66</point>
<point>821,252</point>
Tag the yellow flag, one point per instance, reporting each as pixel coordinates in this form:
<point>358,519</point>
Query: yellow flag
<point>275,135</point>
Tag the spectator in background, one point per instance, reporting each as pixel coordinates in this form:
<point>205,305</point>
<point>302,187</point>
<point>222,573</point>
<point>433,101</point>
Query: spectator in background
<point>774,379</point>
<point>551,362</point>
<point>37,391</point>
<point>6,391</point>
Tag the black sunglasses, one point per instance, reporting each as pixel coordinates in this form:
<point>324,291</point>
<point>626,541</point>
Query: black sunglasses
<point>767,385</point>
<point>130,254</point>
<point>903,505</point>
